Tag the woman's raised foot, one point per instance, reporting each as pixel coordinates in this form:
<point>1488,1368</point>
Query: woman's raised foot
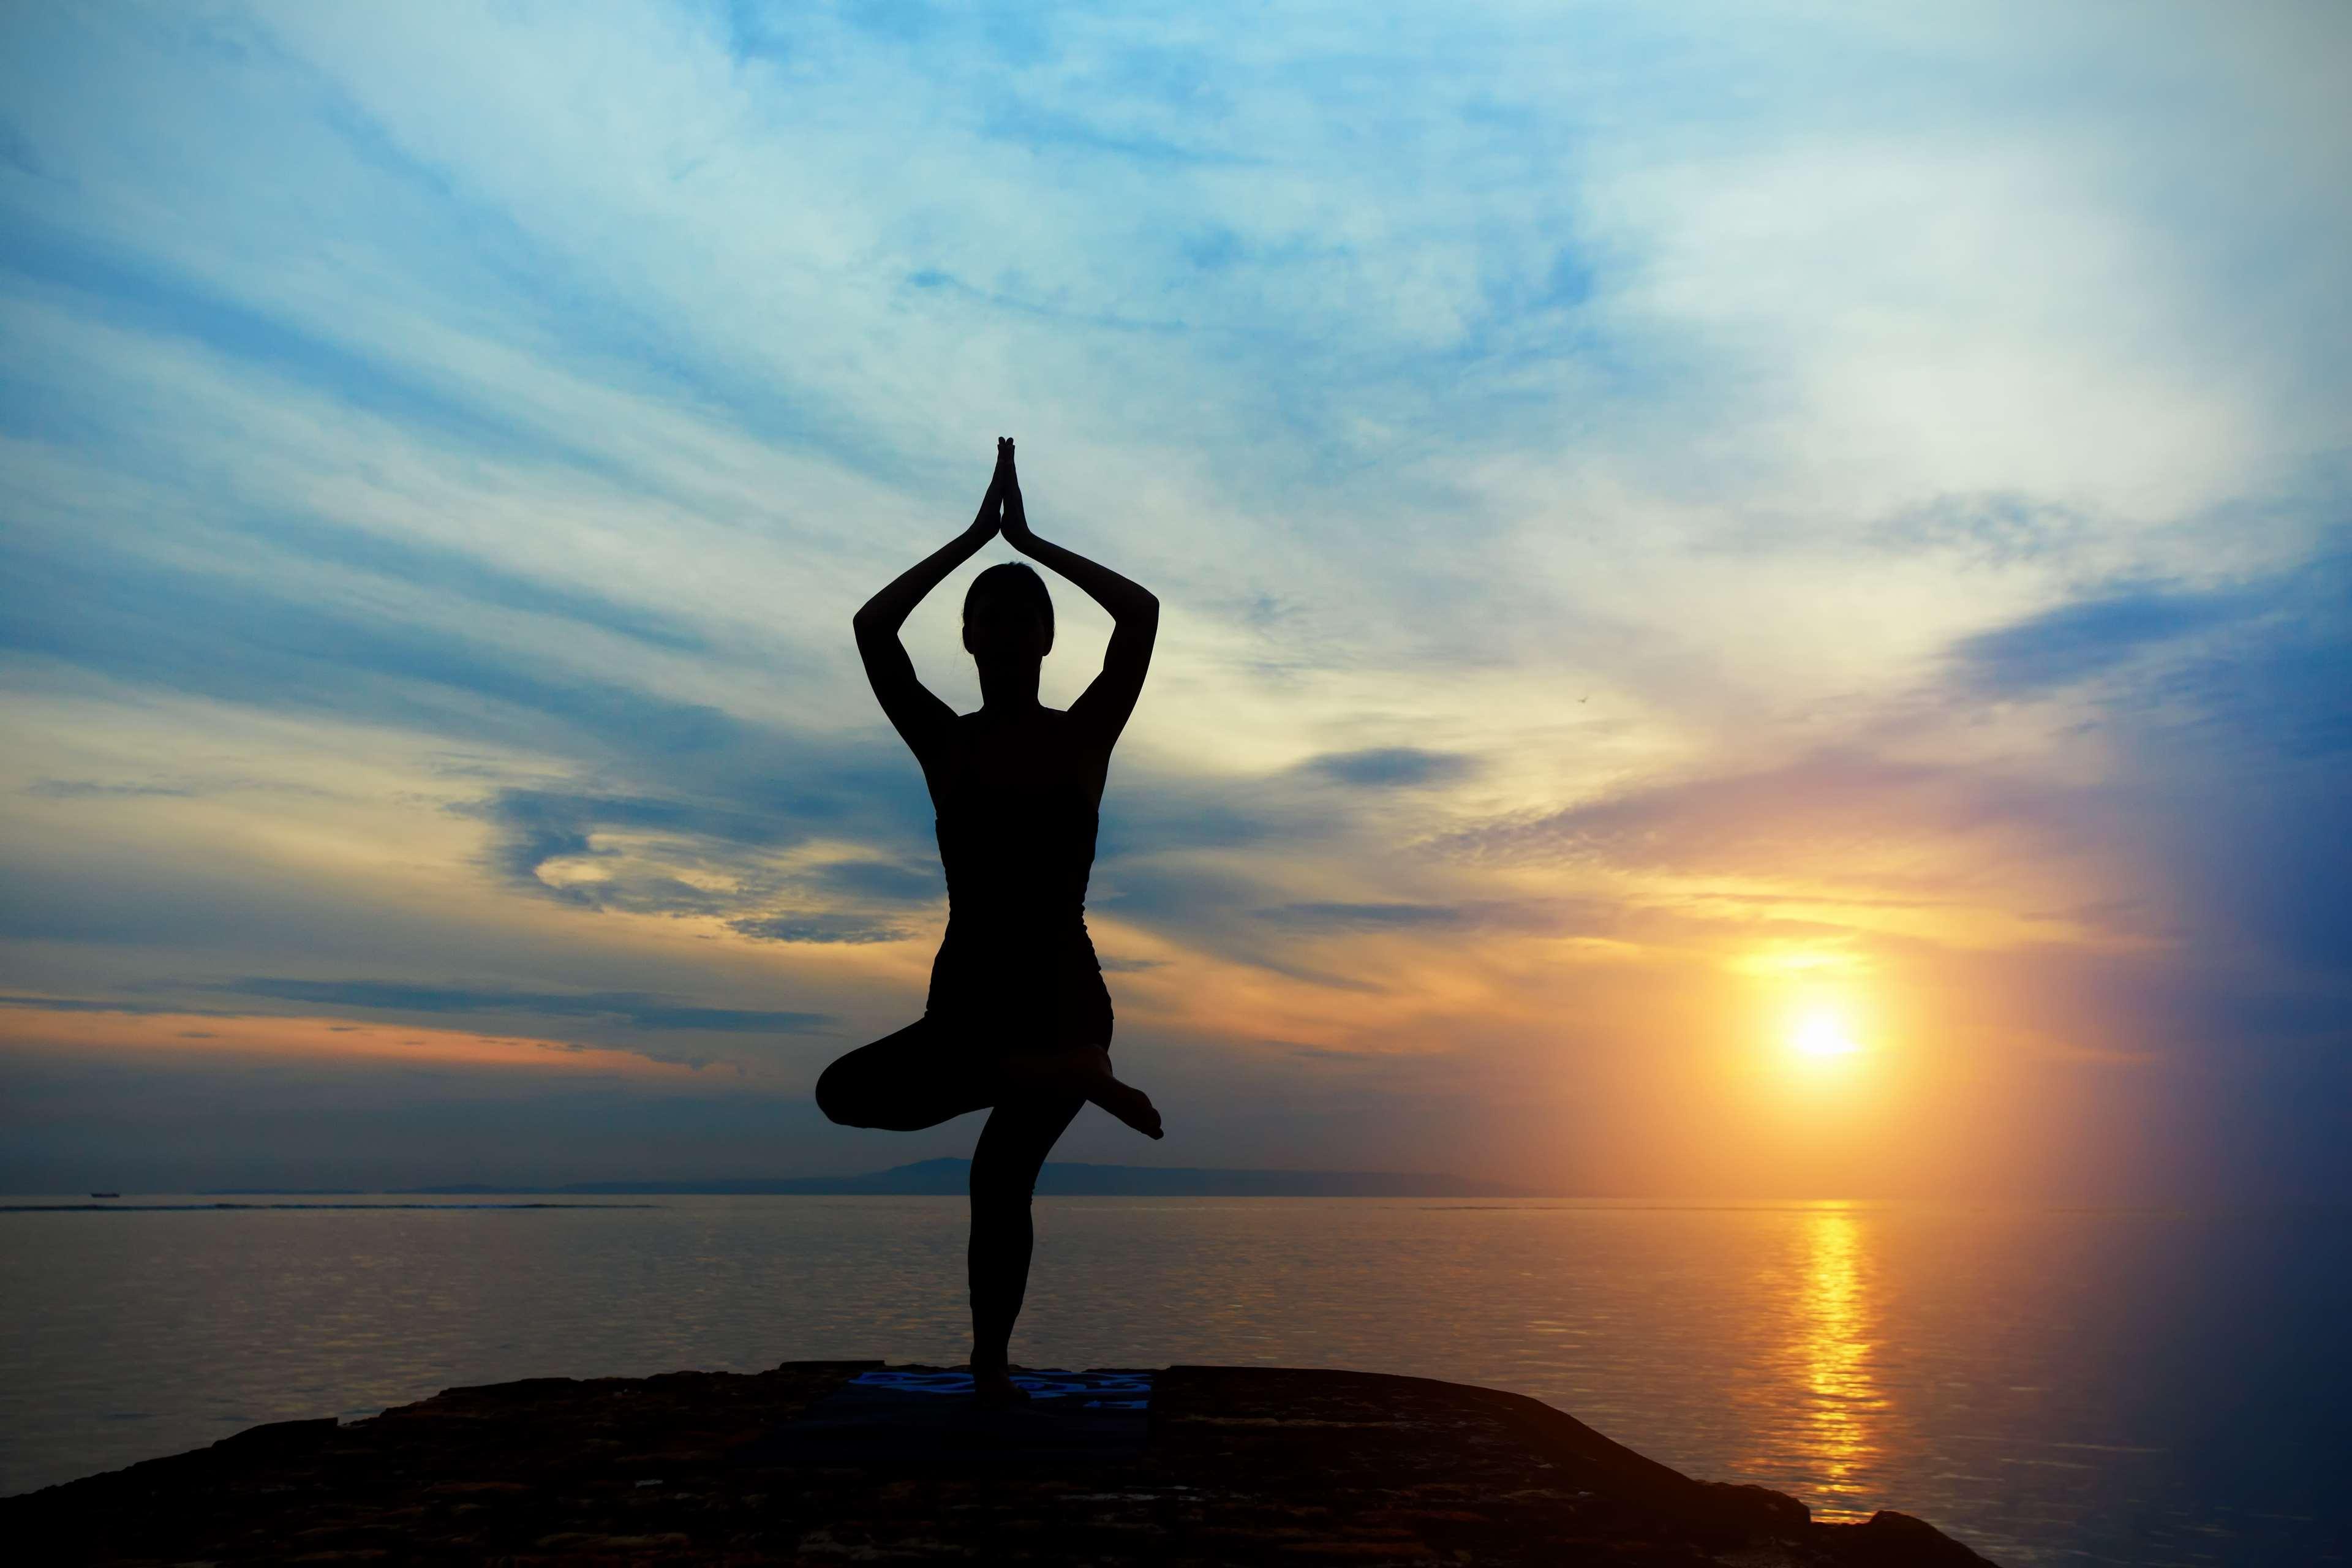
<point>1126,1103</point>
<point>1086,1072</point>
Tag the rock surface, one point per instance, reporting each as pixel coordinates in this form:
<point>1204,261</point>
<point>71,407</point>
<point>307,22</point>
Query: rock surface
<point>1245,1465</point>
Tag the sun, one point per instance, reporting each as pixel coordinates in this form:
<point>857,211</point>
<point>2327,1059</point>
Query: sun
<point>1821,1034</point>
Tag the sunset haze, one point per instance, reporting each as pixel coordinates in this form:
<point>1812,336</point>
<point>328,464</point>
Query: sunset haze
<point>1756,602</point>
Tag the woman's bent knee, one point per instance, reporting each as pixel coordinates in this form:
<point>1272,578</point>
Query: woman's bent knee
<point>836,1097</point>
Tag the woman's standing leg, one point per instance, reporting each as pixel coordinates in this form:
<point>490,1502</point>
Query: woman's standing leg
<point>1004,1165</point>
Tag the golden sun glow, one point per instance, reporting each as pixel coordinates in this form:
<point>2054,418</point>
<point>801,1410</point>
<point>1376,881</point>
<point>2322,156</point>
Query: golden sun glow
<point>1821,1035</point>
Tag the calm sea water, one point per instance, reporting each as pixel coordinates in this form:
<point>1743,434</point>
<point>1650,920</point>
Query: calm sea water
<point>2051,1386</point>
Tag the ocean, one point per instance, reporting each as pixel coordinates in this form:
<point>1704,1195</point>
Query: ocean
<point>2050,1386</point>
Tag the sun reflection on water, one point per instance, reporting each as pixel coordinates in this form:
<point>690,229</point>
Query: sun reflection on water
<point>1832,1354</point>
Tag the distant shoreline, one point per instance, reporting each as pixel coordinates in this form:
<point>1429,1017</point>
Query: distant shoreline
<point>931,1178</point>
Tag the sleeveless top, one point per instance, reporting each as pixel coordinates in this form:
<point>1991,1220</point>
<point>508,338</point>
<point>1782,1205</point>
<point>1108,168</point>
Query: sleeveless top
<point>1016,857</point>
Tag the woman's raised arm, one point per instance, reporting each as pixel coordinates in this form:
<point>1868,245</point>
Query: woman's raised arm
<point>918,716</point>
<point>1134,612</point>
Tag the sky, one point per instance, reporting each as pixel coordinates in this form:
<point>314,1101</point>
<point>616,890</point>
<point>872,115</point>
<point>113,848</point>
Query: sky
<point>1757,598</point>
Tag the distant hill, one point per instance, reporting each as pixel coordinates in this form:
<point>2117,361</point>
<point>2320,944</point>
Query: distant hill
<point>948,1177</point>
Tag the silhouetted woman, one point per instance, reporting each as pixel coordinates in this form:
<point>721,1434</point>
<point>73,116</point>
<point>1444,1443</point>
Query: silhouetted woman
<point>1018,1017</point>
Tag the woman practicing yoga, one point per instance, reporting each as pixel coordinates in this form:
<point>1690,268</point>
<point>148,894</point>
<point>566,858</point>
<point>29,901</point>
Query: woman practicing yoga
<point>1018,1018</point>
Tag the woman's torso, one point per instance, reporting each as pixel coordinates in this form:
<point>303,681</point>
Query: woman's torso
<point>1017,805</point>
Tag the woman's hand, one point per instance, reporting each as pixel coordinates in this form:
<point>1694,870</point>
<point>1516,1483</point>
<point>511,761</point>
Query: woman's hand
<point>984,523</point>
<point>880,618</point>
<point>1015,525</point>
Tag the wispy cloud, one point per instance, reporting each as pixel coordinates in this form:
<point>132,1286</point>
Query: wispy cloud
<point>636,1008</point>
<point>2086,637</point>
<point>818,926</point>
<point>1393,766</point>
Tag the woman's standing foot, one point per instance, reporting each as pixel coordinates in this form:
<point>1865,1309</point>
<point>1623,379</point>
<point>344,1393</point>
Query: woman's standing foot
<point>994,1386</point>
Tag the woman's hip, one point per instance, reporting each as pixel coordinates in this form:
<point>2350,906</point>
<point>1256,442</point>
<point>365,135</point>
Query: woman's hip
<point>1021,1007</point>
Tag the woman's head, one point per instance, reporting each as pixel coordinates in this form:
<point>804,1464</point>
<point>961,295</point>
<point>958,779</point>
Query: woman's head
<point>1007,611</point>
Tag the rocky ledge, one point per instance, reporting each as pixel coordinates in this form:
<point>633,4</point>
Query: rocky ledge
<point>1241,1465</point>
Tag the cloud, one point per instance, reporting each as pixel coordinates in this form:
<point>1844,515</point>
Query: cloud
<point>2087,638</point>
<point>96,789</point>
<point>818,926</point>
<point>448,574</point>
<point>1047,131</point>
<point>1998,528</point>
<point>107,607</point>
<point>1550,916</point>
<point>1392,766</point>
<point>880,880</point>
<point>73,1005</point>
<point>2265,661</point>
<point>2279,680</point>
<point>639,1009</point>
<point>675,848</point>
<point>1328,917</point>
<point>1835,812</point>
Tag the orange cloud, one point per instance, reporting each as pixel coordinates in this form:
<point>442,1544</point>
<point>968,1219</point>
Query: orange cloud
<point>316,1041</point>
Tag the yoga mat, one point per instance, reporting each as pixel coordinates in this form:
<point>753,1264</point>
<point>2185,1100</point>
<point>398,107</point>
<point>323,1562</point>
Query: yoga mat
<point>910,1417</point>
